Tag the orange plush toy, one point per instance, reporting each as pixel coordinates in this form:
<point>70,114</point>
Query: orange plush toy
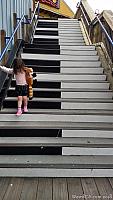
<point>29,80</point>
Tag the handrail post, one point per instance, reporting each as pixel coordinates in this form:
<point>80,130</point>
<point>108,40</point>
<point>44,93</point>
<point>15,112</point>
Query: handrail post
<point>23,30</point>
<point>33,5</point>
<point>30,13</point>
<point>14,26</point>
<point>3,44</point>
<point>26,29</point>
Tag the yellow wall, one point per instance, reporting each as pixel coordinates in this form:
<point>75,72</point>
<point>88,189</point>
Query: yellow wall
<point>63,10</point>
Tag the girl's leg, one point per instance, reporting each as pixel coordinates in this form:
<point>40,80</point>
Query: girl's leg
<point>25,103</point>
<point>19,111</point>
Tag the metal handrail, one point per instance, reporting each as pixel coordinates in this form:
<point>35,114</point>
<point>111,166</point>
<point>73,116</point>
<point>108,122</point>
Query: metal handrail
<point>102,26</point>
<point>84,15</point>
<point>105,31</point>
<point>37,6</point>
<point>18,25</point>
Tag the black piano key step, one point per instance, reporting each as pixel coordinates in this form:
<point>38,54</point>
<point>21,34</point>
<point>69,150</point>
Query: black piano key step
<point>30,150</point>
<point>30,133</point>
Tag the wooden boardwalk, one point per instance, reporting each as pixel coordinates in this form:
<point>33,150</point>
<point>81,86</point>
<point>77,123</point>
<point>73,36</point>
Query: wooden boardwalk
<point>55,188</point>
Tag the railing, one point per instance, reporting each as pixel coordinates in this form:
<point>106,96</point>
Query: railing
<point>31,22</point>
<point>98,28</point>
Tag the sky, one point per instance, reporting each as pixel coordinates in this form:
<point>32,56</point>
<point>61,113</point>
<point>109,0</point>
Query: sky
<point>95,4</point>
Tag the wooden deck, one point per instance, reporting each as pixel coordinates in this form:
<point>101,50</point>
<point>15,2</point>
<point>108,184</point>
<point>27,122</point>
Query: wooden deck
<point>55,188</point>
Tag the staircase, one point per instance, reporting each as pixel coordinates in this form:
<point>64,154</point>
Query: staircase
<point>68,131</point>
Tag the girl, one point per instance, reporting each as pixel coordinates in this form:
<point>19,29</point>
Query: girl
<point>21,84</point>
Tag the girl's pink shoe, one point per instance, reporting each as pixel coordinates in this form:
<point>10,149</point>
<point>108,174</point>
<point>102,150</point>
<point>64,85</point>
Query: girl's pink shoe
<point>19,112</point>
<point>25,110</point>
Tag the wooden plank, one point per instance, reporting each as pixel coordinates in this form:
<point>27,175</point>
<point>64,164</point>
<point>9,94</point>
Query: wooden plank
<point>44,189</point>
<point>4,183</point>
<point>74,188</point>
<point>60,191</point>
<point>2,44</point>
<point>29,189</point>
<point>14,189</point>
<point>89,187</point>
<point>104,188</point>
<point>111,182</point>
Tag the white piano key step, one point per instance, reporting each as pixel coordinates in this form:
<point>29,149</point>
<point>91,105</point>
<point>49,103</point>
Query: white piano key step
<point>72,52</point>
<point>63,77</point>
<point>80,64</point>
<point>87,105</point>
<point>78,48</point>
<point>84,70</point>
<point>58,57</point>
<point>87,133</point>
<point>86,151</point>
<point>95,95</point>
<point>85,85</point>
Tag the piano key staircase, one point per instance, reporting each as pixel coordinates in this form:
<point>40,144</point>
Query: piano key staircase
<point>68,131</point>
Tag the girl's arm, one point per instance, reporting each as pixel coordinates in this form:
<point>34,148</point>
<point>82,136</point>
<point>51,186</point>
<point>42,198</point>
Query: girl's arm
<point>7,70</point>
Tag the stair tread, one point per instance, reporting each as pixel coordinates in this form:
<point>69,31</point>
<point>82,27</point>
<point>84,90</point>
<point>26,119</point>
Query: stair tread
<point>61,111</point>
<point>58,141</point>
<point>48,160</point>
<point>30,56</point>
<point>81,100</point>
<point>57,118</point>
<point>60,38</point>
<point>55,125</point>
<point>70,90</point>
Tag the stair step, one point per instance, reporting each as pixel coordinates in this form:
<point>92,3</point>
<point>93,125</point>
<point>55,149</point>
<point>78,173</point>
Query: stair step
<point>87,133</point>
<point>56,142</point>
<point>72,43</point>
<point>85,85</point>
<point>62,112</point>
<point>45,41</point>
<point>87,105</point>
<point>70,90</point>
<point>80,64</point>
<point>77,52</point>
<point>68,20</point>
<point>58,57</point>
<point>61,38</point>
<point>49,46</point>
<point>57,118</point>
<point>56,166</point>
<point>87,151</point>
<point>29,62</point>
<point>60,77</point>
<point>86,94</point>
<point>70,34</point>
<point>46,29</point>
<point>41,51</point>
<point>48,20</point>
<point>73,100</point>
<point>78,48</point>
<point>69,31</point>
<point>66,93</point>
<point>88,70</point>
<point>22,125</point>
<point>58,161</point>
